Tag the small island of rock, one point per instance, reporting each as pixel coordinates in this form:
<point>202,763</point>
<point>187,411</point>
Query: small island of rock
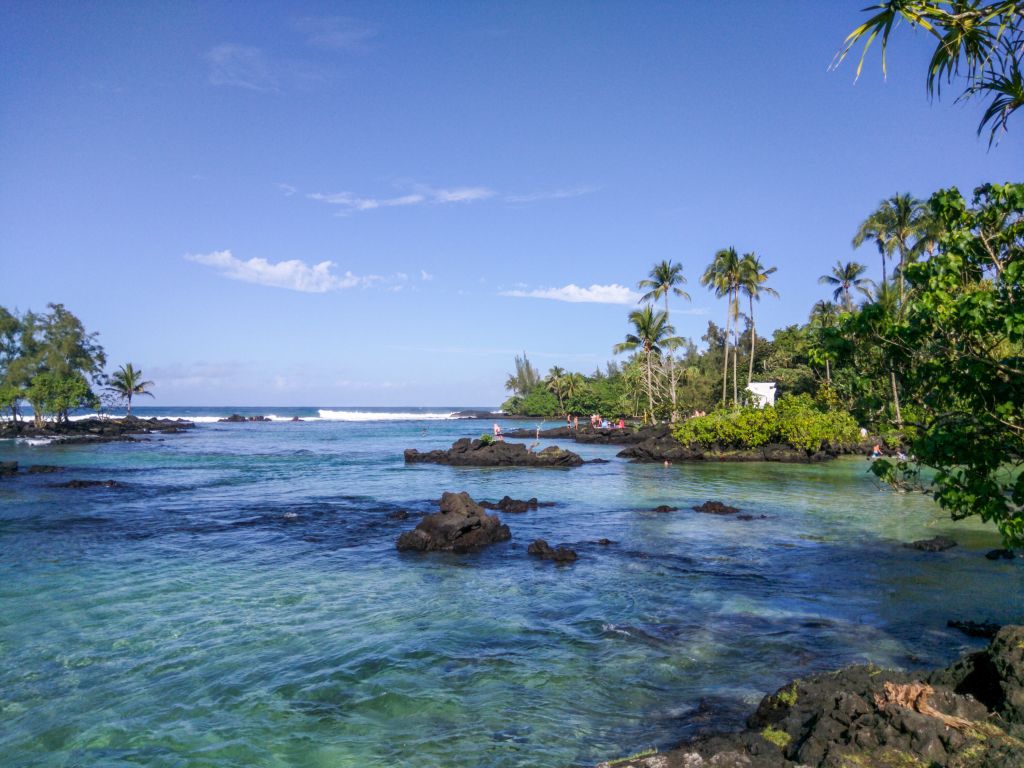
<point>478,453</point>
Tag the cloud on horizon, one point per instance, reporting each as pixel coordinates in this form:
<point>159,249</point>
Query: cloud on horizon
<point>595,294</point>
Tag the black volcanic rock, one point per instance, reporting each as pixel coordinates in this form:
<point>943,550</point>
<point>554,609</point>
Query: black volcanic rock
<point>477,453</point>
<point>510,505</point>
<point>461,526</point>
<point>89,484</point>
<point>560,554</point>
<point>934,544</point>
<point>716,508</point>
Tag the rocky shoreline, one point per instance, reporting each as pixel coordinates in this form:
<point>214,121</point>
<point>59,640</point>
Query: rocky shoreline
<point>93,430</point>
<point>968,715</point>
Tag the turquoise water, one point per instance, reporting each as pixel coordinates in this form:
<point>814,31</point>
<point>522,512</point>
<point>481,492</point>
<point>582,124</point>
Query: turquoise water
<point>239,602</point>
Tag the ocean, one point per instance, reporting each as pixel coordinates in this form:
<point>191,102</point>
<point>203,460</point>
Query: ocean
<point>237,599</point>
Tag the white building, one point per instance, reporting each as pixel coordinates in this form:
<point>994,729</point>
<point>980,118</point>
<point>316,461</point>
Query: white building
<point>762,393</point>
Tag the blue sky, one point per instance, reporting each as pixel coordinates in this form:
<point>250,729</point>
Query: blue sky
<point>380,203</point>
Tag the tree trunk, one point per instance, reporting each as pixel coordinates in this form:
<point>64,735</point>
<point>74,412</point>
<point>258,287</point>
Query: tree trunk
<point>671,370</point>
<point>735,350</point>
<point>725,355</point>
<point>129,405</point>
<point>895,398</point>
<point>828,373</point>
<point>753,338</point>
<point>650,387</point>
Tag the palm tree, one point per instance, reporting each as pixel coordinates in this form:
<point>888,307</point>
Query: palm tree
<point>555,383</point>
<point>723,277</point>
<point>573,384</point>
<point>892,226</point>
<point>753,276</point>
<point>824,315</point>
<point>665,278</point>
<point>127,382</point>
<point>651,332</point>
<point>844,277</point>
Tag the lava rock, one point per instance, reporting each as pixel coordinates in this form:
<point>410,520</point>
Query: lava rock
<point>513,506</point>
<point>984,629</point>
<point>716,508</point>
<point>476,453</point>
<point>665,508</point>
<point>461,526</point>
<point>1001,554</point>
<point>8,468</point>
<point>43,469</point>
<point>236,418</point>
<point>400,514</point>
<point>751,517</point>
<point>935,544</point>
<point>89,484</point>
<point>560,554</point>
<point>605,542</point>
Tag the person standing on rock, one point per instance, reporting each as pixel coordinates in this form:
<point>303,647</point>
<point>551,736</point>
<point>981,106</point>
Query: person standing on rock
<point>497,433</point>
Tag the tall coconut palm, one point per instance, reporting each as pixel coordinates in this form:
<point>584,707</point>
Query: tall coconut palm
<point>824,314</point>
<point>651,331</point>
<point>843,278</point>
<point>723,277</point>
<point>126,382</point>
<point>753,276</point>
<point>665,278</point>
<point>893,226</point>
<point>555,383</point>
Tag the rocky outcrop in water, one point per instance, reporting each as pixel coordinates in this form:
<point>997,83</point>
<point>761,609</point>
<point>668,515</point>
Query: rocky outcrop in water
<point>94,430</point>
<point>477,453</point>
<point>716,508</point>
<point>934,544</point>
<point>560,554</point>
<point>462,525</point>
<point>969,715</point>
<point>664,447</point>
<point>237,418</point>
<point>514,506</point>
<point>89,484</point>
<point>8,468</point>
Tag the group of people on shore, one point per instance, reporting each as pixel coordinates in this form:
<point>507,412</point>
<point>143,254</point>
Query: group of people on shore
<point>596,422</point>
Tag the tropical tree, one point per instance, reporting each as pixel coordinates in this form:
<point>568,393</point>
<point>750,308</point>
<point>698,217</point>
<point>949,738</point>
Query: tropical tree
<point>127,382</point>
<point>665,277</point>
<point>980,42</point>
<point>895,226</point>
<point>843,278</point>
<point>824,315</point>
<point>753,276</point>
<point>723,277</point>
<point>524,379</point>
<point>651,331</point>
<point>555,383</point>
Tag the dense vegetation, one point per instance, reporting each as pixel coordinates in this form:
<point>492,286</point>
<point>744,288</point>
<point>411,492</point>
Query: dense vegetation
<point>931,356</point>
<point>51,363</point>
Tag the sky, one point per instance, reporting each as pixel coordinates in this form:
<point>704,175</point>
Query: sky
<point>379,203</point>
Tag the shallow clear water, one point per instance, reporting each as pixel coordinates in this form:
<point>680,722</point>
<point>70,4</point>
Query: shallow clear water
<point>239,602</point>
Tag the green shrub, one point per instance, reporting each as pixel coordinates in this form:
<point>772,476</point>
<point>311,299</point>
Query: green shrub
<point>796,420</point>
<point>486,439</point>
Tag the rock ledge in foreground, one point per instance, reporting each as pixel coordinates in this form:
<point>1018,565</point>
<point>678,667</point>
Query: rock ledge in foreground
<point>969,715</point>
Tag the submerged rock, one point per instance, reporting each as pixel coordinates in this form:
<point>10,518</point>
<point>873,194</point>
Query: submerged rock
<point>1000,554</point>
<point>665,508</point>
<point>8,468</point>
<point>716,508</point>
<point>935,544</point>
<point>985,629</point>
<point>476,453</point>
<point>970,715</point>
<point>461,526</point>
<point>43,469</point>
<point>89,484</point>
<point>560,554</point>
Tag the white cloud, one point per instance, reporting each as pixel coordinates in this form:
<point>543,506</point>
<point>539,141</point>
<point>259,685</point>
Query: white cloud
<point>338,32</point>
<point>425,276</point>
<point>554,194</point>
<point>287,189</point>
<point>595,294</point>
<point>420,195</point>
<point>241,66</point>
<point>293,274</point>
